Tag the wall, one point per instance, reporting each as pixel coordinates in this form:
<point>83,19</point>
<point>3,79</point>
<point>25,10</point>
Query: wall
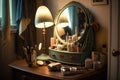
<point>100,12</point>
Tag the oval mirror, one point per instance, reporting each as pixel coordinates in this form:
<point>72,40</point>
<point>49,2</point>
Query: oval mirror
<point>71,20</point>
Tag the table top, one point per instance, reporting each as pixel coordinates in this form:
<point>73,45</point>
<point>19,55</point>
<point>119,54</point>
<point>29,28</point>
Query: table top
<point>44,71</point>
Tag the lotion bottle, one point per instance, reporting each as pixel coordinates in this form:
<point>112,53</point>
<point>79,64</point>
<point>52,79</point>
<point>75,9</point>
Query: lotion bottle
<point>69,46</point>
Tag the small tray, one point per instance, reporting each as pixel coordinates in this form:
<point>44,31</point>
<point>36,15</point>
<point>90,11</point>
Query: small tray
<point>73,58</point>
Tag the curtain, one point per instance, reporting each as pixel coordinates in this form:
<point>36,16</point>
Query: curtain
<point>26,29</point>
<point>5,23</point>
<point>18,11</point>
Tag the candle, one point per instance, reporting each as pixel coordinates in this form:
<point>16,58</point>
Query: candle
<point>95,55</point>
<point>52,41</point>
<point>40,46</point>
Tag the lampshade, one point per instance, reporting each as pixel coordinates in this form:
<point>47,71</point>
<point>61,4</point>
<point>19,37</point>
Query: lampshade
<point>63,19</point>
<point>63,22</point>
<point>43,17</point>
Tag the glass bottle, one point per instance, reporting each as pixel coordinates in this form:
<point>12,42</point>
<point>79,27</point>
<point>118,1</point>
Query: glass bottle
<point>67,37</point>
<point>69,44</point>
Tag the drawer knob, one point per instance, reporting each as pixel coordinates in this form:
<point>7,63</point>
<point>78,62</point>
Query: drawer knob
<point>71,57</point>
<point>53,55</point>
<point>61,56</point>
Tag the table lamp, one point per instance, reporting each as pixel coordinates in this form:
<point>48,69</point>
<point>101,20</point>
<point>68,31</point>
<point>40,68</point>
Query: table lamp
<point>43,19</point>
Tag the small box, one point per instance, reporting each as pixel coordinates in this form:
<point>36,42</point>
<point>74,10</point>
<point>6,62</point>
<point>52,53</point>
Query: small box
<point>54,66</point>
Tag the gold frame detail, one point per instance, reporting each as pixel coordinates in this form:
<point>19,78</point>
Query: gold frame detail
<point>99,2</point>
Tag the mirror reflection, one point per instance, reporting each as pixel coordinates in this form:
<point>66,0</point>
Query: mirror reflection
<point>72,20</point>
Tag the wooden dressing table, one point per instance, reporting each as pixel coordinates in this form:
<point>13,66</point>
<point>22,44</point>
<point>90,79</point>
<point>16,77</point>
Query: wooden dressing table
<point>21,71</point>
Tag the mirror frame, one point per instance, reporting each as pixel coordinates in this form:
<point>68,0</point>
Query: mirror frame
<point>88,18</point>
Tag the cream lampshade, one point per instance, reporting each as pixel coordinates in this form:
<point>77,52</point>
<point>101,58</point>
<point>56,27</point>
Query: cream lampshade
<point>43,17</point>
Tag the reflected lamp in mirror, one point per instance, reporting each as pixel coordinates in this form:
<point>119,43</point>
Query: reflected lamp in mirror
<point>63,24</point>
<point>63,19</point>
<point>43,19</point>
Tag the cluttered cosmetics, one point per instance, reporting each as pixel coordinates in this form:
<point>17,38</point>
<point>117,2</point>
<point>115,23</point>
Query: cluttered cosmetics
<point>70,45</point>
<point>66,70</point>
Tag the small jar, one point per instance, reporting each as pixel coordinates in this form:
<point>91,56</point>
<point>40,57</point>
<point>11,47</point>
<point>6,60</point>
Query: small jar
<point>103,59</point>
<point>79,49</point>
<point>52,41</point>
<point>88,63</point>
<point>95,55</point>
<point>97,65</point>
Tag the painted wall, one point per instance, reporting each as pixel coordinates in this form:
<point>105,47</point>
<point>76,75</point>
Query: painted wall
<point>100,12</point>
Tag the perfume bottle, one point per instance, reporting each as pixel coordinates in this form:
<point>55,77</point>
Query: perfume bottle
<point>67,37</point>
<point>79,47</point>
<point>69,44</point>
<point>103,55</point>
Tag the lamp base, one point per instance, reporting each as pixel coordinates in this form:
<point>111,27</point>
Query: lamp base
<point>43,57</point>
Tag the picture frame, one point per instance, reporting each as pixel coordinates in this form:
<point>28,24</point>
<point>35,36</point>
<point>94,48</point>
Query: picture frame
<point>99,2</point>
